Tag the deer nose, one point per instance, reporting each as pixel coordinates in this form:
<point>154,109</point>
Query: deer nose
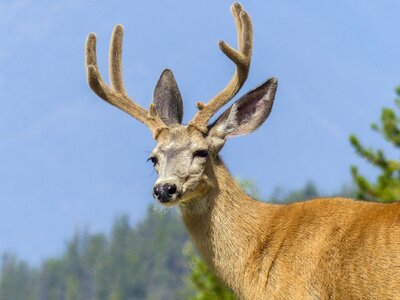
<point>165,192</point>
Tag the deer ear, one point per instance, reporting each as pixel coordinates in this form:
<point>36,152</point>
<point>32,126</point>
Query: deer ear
<point>167,99</point>
<point>245,115</point>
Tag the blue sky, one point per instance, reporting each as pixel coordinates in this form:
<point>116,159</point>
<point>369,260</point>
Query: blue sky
<point>70,162</point>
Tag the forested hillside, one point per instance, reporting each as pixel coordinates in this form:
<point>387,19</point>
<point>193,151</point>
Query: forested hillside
<point>141,262</point>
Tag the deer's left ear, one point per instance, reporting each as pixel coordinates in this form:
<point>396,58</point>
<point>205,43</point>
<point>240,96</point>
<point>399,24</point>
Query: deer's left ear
<point>245,115</point>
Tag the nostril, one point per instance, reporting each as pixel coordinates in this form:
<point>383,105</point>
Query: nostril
<point>171,189</point>
<point>164,193</point>
<point>156,191</point>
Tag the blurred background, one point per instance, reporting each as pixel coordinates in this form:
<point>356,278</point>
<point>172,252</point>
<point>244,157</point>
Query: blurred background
<point>73,170</point>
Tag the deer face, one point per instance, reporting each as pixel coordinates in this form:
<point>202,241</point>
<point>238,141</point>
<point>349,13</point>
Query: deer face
<point>184,155</point>
<point>181,158</point>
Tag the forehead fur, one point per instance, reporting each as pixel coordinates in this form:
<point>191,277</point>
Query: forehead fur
<point>180,135</point>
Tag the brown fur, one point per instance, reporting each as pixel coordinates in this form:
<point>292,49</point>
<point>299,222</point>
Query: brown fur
<point>332,248</point>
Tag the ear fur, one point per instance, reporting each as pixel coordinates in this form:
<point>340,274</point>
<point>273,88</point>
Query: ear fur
<point>245,115</point>
<point>167,99</point>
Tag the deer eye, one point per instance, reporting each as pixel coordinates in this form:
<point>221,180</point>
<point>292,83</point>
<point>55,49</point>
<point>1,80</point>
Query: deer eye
<point>153,159</point>
<point>200,153</point>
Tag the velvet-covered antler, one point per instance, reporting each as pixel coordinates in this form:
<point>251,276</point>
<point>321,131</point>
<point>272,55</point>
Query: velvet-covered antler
<point>240,57</point>
<point>116,94</point>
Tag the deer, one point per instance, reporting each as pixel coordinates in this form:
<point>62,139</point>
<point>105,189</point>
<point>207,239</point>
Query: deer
<point>326,248</point>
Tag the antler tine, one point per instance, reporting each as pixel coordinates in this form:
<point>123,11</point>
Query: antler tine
<point>115,59</point>
<point>116,94</point>
<point>240,57</point>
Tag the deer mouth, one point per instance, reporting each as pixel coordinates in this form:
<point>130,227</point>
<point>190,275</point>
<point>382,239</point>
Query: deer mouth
<point>170,202</point>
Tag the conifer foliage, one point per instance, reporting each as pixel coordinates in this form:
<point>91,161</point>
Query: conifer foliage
<point>387,185</point>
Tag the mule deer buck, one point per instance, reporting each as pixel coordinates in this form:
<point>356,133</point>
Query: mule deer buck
<point>330,248</point>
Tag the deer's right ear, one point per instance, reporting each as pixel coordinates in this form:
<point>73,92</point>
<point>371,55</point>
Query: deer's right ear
<point>245,115</point>
<point>167,99</point>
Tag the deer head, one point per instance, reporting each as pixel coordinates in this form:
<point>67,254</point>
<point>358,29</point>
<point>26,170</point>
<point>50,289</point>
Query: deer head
<point>185,154</point>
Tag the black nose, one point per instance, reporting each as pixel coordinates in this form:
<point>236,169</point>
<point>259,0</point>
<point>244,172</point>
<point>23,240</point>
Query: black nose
<point>165,192</point>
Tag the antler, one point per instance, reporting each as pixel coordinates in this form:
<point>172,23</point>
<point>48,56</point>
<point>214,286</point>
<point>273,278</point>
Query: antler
<point>240,57</point>
<point>116,94</point>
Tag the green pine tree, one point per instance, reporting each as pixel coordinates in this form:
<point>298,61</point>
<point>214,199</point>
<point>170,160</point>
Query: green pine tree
<point>387,185</point>
<point>17,279</point>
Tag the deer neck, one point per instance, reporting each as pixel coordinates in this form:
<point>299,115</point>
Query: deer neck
<point>224,223</point>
